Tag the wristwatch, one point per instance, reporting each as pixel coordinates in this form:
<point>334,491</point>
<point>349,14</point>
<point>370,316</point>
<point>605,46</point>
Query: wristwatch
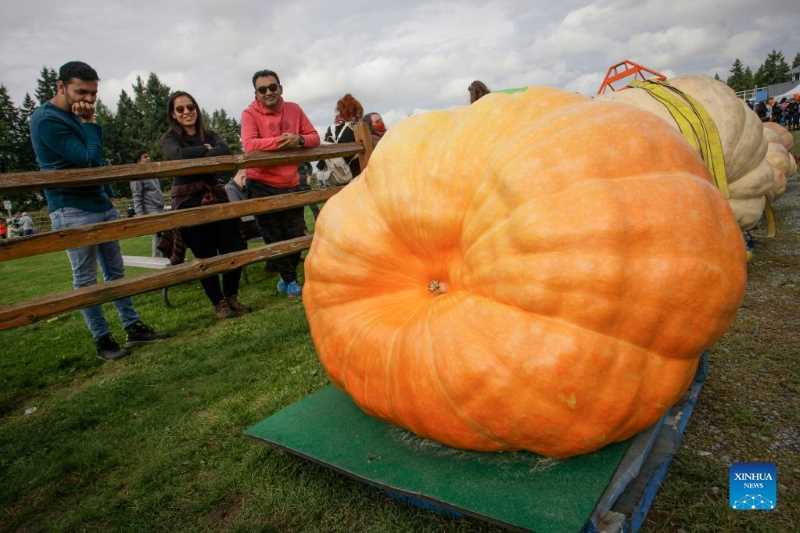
<point>302,141</point>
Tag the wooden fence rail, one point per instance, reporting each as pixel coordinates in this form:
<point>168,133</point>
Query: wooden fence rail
<point>31,311</point>
<point>34,310</point>
<point>20,181</point>
<point>63,239</point>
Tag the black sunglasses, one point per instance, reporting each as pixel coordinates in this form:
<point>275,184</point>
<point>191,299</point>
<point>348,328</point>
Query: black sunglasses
<point>189,108</point>
<point>273,87</point>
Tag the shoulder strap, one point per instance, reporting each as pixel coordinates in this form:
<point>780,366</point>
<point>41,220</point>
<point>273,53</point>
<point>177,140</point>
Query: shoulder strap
<point>341,132</point>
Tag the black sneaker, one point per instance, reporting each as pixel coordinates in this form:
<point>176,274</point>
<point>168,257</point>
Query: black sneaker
<point>108,349</point>
<point>140,333</point>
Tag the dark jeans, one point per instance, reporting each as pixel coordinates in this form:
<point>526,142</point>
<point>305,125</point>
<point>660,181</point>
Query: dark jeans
<point>212,239</point>
<point>279,226</point>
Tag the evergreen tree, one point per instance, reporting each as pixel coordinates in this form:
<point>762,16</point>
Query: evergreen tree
<point>796,62</point>
<point>748,79</point>
<point>9,124</point>
<point>151,102</point>
<point>782,70</point>
<point>115,149</point>
<point>28,106</point>
<point>762,75</point>
<point>13,156</point>
<point>227,128</point>
<point>735,80</point>
<point>773,70</point>
<point>27,157</point>
<point>716,76</point>
<point>127,129</point>
<point>106,121</point>
<point>46,85</point>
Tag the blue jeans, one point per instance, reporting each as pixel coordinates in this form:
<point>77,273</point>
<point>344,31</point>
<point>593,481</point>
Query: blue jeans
<point>84,266</point>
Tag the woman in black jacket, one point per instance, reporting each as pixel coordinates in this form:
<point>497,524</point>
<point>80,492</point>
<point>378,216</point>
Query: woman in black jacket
<point>349,112</point>
<point>187,138</point>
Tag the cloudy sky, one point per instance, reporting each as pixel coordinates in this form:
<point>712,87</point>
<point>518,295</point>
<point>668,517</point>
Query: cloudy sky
<point>396,57</point>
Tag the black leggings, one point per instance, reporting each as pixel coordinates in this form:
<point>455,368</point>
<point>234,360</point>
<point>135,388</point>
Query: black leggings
<point>212,239</point>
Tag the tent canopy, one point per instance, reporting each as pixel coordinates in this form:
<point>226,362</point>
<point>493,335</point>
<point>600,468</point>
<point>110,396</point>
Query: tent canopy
<point>789,93</point>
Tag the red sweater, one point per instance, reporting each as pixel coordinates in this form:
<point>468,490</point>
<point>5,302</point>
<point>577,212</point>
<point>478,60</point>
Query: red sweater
<point>261,128</point>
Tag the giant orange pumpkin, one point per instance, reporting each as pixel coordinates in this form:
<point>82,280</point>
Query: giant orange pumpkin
<point>536,271</point>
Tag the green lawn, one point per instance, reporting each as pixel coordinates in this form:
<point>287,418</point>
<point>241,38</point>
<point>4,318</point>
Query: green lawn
<point>154,441</point>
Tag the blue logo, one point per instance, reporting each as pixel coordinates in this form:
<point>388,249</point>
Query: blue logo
<point>753,486</point>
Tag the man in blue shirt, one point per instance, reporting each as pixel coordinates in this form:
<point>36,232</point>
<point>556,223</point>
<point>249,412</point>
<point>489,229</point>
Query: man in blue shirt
<point>65,134</point>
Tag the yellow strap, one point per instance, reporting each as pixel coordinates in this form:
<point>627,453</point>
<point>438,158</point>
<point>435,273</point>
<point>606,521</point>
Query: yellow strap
<point>772,222</point>
<point>695,124</point>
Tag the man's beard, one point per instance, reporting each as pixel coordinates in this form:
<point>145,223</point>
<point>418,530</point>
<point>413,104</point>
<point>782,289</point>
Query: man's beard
<point>70,102</point>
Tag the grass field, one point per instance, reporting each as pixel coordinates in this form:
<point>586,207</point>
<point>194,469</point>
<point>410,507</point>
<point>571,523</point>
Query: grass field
<point>154,441</point>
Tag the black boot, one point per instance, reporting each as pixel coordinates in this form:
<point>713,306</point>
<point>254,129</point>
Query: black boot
<point>108,349</point>
<point>140,333</point>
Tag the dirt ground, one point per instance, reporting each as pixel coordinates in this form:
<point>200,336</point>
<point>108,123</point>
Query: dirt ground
<point>749,409</point>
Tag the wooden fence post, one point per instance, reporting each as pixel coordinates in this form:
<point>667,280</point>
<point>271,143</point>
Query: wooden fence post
<point>364,138</point>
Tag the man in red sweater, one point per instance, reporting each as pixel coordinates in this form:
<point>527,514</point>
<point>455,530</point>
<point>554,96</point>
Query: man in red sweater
<point>268,124</point>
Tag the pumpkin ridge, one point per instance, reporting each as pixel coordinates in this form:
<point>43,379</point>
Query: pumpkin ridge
<point>488,435</point>
<point>562,290</point>
<point>655,176</point>
<point>562,321</point>
<point>388,367</point>
<point>619,357</point>
<point>736,148</point>
<point>352,343</point>
<point>395,232</point>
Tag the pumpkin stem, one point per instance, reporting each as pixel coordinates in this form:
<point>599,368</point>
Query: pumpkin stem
<point>437,287</point>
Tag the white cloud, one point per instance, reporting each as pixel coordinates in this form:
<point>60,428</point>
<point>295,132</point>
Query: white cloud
<point>396,58</point>
<point>585,83</point>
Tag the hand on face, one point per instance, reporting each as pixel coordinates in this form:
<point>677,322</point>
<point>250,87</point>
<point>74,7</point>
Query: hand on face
<point>84,110</point>
<point>79,97</point>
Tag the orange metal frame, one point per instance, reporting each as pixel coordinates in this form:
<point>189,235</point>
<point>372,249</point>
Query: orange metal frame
<point>625,69</point>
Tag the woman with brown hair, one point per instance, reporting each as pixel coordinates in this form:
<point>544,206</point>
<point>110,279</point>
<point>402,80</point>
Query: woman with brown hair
<point>348,113</point>
<point>188,138</point>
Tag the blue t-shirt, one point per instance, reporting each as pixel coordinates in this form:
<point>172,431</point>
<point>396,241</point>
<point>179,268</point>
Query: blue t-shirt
<point>60,141</point>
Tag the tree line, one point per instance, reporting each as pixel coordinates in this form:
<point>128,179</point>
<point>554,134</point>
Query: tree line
<point>773,70</point>
<point>136,126</point>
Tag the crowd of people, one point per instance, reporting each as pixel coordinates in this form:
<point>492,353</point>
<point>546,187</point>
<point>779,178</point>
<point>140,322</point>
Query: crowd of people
<point>19,225</point>
<point>65,134</point>
<point>786,112</point>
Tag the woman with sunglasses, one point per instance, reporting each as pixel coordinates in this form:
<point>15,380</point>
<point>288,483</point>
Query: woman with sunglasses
<point>188,138</point>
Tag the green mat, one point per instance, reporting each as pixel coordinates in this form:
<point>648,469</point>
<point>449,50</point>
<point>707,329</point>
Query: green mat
<point>512,489</point>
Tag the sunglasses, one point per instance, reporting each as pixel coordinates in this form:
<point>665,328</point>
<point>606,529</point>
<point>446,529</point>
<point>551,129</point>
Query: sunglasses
<point>189,108</point>
<point>273,88</point>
